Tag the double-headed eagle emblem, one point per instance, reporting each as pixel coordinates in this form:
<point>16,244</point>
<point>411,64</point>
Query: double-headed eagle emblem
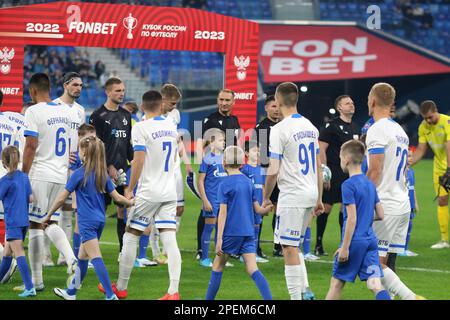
<point>6,56</point>
<point>241,63</point>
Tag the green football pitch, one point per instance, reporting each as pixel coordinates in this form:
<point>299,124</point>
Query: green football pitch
<point>428,274</point>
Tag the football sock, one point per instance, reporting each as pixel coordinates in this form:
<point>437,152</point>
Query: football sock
<point>143,244</point>
<point>408,236</point>
<point>200,226</point>
<point>59,239</point>
<point>24,272</point>
<point>383,295</point>
<point>130,243</point>
<point>65,222</point>
<point>154,242</point>
<point>262,285</point>
<point>304,273</point>
<point>321,225</point>
<point>4,266</point>
<point>307,241</point>
<point>341,221</point>
<point>392,257</point>
<point>102,275</point>
<point>293,275</point>
<point>120,232</point>
<point>393,283</point>
<point>213,285</point>
<point>46,247</point>
<point>80,273</point>
<point>76,241</point>
<point>35,254</point>
<point>169,241</point>
<point>443,222</point>
<point>206,239</point>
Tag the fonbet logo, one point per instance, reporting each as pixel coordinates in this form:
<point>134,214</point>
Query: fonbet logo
<point>130,23</point>
<point>244,95</point>
<point>316,56</point>
<point>6,55</point>
<point>92,27</point>
<point>241,63</point>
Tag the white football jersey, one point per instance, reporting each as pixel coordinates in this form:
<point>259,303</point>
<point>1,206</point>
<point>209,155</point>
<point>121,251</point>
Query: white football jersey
<point>388,137</point>
<point>19,120</point>
<point>294,141</point>
<point>158,137</point>
<point>78,117</point>
<point>51,124</point>
<point>8,136</point>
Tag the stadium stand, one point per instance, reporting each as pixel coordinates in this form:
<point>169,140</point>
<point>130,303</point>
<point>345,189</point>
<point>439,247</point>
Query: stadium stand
<point>426,23</point>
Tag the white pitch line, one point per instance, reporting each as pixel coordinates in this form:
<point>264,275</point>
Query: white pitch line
<point>316,261</point>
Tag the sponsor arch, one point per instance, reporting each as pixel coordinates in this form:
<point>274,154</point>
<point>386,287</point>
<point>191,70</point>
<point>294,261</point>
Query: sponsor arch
<point>133,27</point>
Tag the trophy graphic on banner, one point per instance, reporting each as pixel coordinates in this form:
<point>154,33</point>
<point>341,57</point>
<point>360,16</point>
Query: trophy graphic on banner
<point>130,23</point>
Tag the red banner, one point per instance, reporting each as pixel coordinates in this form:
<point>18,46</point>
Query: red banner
<point>311,53</point>
<point>126,26</point>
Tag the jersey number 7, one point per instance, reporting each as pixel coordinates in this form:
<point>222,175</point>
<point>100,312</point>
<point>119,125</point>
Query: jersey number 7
<point>167,145</point>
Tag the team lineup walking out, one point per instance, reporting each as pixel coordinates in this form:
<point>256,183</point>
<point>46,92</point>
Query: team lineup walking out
<point>50,154</point>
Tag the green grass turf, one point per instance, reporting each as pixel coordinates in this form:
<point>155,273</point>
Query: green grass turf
<point>152,282</point>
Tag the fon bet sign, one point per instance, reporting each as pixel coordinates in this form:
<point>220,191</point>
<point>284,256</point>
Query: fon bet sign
<point>126,26</point>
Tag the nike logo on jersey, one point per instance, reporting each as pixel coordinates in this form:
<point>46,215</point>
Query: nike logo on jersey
<point>107,121</point>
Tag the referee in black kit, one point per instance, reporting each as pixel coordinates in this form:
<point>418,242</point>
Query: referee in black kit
<point>262,131</point>
<point>338,131</point>
<point>221,119</point>
<point>113,126</point>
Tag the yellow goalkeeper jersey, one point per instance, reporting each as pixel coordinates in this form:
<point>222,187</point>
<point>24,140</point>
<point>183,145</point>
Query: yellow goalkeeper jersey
<point>436,136</point>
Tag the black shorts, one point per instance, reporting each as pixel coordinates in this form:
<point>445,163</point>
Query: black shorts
<point>108,198</point>
<point>275,194</point>
<point>334,194</point>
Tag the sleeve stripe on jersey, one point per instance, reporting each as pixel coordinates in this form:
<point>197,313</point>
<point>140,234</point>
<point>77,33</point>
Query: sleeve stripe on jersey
<point>30,133</point>
<point>376,151</point>
<point>277,156</point>
<point>139,148</point>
